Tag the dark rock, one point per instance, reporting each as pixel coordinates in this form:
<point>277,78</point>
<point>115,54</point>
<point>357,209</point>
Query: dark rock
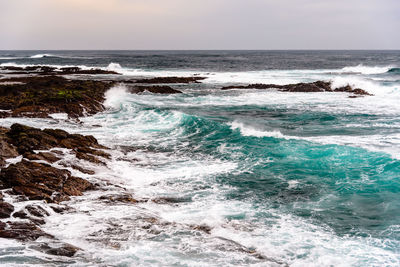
<point>22,231</point>
<point>39,181</point>
<point>171,80</point>
<point>60,209</point>
<point>170,200</point>
<point>318,86</point>
<point>27,139</point>
<point>5,209</point>
<point>204,228</point>
<point>65,250</point>
<point>37,211</point>
<point>154,89</point>
<point>125,198</point>
<point>76,70</point>
<point>79,168</point>
<point>46,156</point>
<point>7,150</point>
<point>40,96</point>
<point>20,214</point>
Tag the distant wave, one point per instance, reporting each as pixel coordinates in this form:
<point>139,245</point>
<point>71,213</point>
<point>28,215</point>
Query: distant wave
<point>394,70</point>
<point>43,56</point>
<point>6,58</point>
<point>366,69</point>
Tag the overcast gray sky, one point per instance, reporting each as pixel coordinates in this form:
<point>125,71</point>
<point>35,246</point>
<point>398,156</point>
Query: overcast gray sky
<point>199,24</point>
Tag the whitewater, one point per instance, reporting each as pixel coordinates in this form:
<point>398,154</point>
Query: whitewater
<point>275,178</point>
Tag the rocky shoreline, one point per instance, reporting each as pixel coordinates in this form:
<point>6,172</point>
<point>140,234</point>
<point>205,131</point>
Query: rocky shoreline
<point>32,161</point>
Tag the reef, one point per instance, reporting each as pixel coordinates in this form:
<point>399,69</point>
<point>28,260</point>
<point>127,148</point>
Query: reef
<point>318,86</point>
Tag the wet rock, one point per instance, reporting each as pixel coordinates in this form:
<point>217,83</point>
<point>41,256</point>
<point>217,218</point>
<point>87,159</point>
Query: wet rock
<point>46,156</point>
<point>7,150</point>
<point>78,168</point>
<point>171,80</point>
<point>90,158</point>
<point>22,231</point>
<point>60,209</point>
<point>170,200</point>
<point>124,198</point>
<point>154,89</point>
<point>46,70</point>
<point>203,228</point>
<point>77,70</point>
<point>27,139</point>
<point>39,96</point>
<point>318,86</point>
<point>39,181</point>
<point>65,250</point>
<point>20,214</point>
<point>5,209</point>
<point>37,211</point>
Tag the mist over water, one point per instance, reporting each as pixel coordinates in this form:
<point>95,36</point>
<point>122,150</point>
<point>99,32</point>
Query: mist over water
<point>304,179</point>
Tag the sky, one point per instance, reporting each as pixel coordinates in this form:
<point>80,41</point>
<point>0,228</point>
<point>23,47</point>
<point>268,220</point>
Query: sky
<point>199,24</point>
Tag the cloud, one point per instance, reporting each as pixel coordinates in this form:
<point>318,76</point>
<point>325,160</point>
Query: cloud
<point>195,24</point>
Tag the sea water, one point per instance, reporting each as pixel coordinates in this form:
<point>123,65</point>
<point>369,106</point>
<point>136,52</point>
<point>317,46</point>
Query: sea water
<point>279,178</point>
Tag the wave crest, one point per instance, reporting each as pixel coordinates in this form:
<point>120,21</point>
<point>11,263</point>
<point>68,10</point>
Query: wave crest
<point>361,69</point>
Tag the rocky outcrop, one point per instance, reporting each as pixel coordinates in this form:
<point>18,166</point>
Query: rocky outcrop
<point>21,231</point>
<point>318,86</point>
<point>41,96</point>
<point>46,70</point>
<point>39,181</point>
<point>154,89</point>
<point>27,139</point>
<point>7,150</point>
<point>171,80</point>
<point>33,179</point>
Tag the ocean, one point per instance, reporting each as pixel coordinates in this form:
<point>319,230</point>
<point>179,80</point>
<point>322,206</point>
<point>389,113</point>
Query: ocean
<point>276,178</point>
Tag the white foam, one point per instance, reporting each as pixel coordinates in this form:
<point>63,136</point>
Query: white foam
<point>43,55</point>
<point>367,69</point>
<point>250,131</point>
<point>59,116</point>
<point>115,96</point>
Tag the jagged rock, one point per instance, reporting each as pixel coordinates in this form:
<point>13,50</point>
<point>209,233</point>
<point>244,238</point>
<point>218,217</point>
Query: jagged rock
<point>46,70</point>
<point>27,139</point>
<point>39,181</point>
<point>79,168</point>
<point>171,80</point>
<point>154,89</point>
<point>64,249</point>
<point>5,209</point>
<point>170,200</point>
<point>7,150</point>
<point>37,211</point>
<point>22,231</point>
<point>318,86</point>
<point>125,198</point>
<point>46,156</point>
<point>41,96</point>
<point>20,214</point>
